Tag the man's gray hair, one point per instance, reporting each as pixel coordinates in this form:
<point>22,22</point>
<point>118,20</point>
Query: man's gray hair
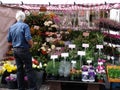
<point>20,16</point>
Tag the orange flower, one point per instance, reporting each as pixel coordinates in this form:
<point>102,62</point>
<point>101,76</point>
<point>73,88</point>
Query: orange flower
<point>32,30</point>
<point>52,15</point>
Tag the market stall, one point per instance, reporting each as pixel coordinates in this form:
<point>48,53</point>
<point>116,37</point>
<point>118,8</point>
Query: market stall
<point>72,43</point>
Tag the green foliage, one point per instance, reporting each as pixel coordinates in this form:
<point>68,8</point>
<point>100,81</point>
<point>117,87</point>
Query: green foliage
<point>36,47</point>
<point>114,72</point>
<point>36,19</point>
<point>50,69</point>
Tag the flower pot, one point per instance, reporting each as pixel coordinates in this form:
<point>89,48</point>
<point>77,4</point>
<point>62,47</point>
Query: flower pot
<point>101,80</point>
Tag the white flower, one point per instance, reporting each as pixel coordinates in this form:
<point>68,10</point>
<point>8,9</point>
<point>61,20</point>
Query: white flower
<point>36,27</point>
<point>34,66</point>
<point>48,23</point>
<point>54,26</point>
<point>43,48</point>
<point>47,39</point>
<point>52,46</point>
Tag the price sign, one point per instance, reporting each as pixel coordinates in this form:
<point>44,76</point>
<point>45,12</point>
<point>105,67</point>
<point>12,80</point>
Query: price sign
<point>99,46</point>
<point>71,45</point>
<point>85,34</point>
<point>85,45</point>
<point>73,62</point>
<point>64,54</point>
<point>54,56</point>
<point>81,53</point>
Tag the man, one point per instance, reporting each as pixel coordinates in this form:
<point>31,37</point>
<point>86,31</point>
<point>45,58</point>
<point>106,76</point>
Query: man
<point>20,38</point>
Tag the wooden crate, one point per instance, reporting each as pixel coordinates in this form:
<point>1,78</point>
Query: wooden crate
<point>112,79</point>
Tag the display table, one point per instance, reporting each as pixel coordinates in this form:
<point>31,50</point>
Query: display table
<point>75,85</point>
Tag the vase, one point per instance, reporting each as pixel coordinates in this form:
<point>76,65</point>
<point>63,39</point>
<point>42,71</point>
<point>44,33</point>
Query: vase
<point>39,76</point>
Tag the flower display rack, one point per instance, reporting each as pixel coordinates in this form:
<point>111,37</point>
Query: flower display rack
<point>113,73</point>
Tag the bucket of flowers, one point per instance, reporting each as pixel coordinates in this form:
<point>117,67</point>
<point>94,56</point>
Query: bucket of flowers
<point>8,68</point>
<point>12,81</point>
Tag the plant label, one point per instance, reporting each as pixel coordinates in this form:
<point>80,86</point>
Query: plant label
<point>54,56</point>
<point>85,34</point>
<point>99,46</point>
<point>72,46</point>
<point>73,62</point>
<point>81,53</point>
<point>64,54</point>
<point>85,45</point>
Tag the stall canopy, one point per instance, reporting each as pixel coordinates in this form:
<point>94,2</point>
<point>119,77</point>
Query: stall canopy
<point>60,1</point>
<point>62,5</point>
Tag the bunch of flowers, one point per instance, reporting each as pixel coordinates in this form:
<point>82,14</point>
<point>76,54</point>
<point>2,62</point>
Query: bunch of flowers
<point>46,49</point>
<point>1,72</point>
<point>11,77</point>
<point>50,26</point>
<point>36,65</point>
<point>9,67</point>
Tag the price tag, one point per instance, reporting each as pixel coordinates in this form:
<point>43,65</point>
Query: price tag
<point>54,56</point>
<point>71,45</point>
<point>64,54</point>
<point>81,53</point>
<point>85,34</point>
<point>99,46</point>
<point>73,62</point>
<point>89,61</point>
<point>58,48</point>
<point>85,45</point>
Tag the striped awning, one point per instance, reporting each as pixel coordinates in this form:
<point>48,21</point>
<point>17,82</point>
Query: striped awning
<point>63,7</point>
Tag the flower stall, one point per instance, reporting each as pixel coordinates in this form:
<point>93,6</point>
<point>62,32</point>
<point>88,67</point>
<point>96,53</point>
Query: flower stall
<point>70,46</point>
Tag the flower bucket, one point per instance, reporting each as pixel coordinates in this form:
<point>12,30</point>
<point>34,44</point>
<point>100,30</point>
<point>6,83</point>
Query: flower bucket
<point>12,84</point>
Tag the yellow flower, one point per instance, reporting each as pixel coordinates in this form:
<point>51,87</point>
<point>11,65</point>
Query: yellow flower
<point>9,67</point>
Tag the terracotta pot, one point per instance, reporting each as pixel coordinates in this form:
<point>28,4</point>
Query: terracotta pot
<point>100,80</point>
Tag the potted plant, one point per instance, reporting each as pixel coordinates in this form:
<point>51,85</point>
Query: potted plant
<point>100,77</point>
<point>52,69</point>
<point>11,81</point>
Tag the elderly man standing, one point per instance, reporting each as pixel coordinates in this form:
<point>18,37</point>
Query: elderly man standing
<point>20,37</point>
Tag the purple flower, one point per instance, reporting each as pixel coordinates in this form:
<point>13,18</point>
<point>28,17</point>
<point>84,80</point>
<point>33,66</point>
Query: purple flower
<point>84,68</point>
<point>25,78</point>
<point>56,19</point>
<point>91,74</point>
